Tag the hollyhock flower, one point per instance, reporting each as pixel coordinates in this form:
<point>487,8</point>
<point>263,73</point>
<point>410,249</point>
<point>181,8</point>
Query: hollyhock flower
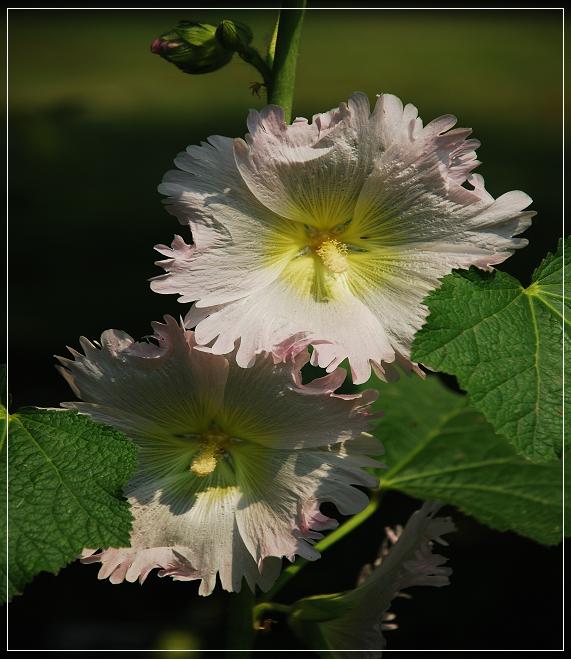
<point>355,620</point>
<point>233,463</point>
<point>336,229</point>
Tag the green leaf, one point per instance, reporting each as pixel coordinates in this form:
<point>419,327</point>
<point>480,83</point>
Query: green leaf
<point>65,478</point>
<point>438,447</point>
<point>3,485</point>
<point>504,343</point>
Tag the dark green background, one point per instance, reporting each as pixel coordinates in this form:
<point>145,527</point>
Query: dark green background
<point>95,121</point>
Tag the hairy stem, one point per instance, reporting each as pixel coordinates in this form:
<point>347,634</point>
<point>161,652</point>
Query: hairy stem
<point>278,73</point>
<point>285,57</point>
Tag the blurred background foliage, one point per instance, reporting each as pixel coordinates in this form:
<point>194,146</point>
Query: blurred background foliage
<point>94,122</point>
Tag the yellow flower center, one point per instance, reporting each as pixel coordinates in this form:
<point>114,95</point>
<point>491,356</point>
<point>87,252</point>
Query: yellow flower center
<point>333,254</point>
<point>213,445</point>
<point>322,262</point>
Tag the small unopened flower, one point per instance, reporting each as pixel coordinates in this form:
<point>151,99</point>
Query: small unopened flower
<point>234,36</point>
<point>356,619</point>
<point>336,229</point>
<point>233,463</point>
<point>192,47</point>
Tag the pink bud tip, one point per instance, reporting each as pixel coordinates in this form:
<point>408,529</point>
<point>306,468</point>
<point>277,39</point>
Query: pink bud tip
<point>157,46</point>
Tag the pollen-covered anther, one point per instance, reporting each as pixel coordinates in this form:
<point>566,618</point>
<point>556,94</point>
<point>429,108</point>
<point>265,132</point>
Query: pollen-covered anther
<point>333,255</point>
<point>212,448</point>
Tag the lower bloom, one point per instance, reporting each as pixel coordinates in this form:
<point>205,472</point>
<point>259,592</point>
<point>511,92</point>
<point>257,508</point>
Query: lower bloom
<point>356,619</point>
<point>233,463</point>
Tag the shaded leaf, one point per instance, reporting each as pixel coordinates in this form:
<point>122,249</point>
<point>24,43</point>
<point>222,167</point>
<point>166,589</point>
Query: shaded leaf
<point>438,447</point>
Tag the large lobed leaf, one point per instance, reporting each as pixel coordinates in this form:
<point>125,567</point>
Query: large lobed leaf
<point>438,447</point>
<point>65,478</point>
<point>504,343</point>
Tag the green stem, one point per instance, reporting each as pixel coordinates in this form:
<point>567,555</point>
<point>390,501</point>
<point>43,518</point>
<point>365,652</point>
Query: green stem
<point>240,631</point>
<point>339,533</point>
<point>285,58</point>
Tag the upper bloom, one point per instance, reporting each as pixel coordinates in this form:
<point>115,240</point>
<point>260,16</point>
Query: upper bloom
<point>233,463</point>
<point>335,229</point>
<point>355,620</point>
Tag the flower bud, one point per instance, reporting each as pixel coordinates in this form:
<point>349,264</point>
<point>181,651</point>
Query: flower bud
<point>356,619</point>
<point>234,36</point>
<point>192,47</point>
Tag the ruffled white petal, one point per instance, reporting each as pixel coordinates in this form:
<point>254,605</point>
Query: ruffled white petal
<point>207,191</point>
<point>343,328</point>
<point>150,390</point>
<point>307,172</point>
<point>283,489</point>
<point>261,399</point>
<point>135,564</point>
<point>410,198</point>
<point>201,526</point>
<point>231,463</point>
<point>230,229</point>
<point>218,275</point>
